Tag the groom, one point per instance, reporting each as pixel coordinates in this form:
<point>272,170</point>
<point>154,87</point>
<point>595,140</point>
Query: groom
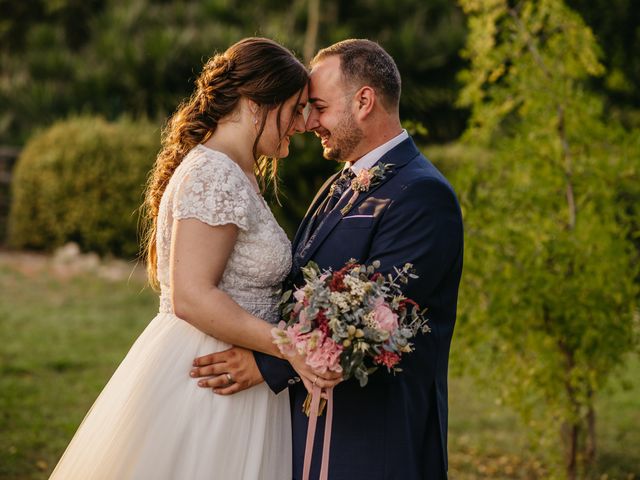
<point>395,427</point>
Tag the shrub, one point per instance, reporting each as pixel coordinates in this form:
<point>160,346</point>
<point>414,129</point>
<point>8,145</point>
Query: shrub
<point>82,180</point>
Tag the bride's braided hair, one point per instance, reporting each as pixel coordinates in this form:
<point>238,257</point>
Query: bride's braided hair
<point>256,68</point>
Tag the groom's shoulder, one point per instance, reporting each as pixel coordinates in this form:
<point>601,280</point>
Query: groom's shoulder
<point>419,174</point>
<point>413,164</point>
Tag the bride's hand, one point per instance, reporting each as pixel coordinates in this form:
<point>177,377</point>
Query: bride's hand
<point>311,377</point>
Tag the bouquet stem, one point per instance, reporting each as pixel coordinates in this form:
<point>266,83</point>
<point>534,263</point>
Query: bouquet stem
<point>306,406</point>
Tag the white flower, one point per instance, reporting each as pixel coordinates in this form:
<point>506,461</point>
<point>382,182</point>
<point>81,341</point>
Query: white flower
<point>340,300</point>
<point>356,287</point>
<point>370,320</point>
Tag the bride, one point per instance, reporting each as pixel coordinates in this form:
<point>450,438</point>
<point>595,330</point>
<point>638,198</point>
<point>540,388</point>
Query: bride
<point>218,257</point>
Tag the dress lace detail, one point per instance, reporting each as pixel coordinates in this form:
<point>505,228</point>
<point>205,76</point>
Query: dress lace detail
<point>212,192</point>
<point>212,188</point>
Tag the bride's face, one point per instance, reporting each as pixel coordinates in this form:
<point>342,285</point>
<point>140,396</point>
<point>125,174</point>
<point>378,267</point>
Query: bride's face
<point>275,142</point>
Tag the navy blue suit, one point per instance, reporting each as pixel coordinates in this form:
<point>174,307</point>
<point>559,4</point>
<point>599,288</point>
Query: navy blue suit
<point>396,426</point>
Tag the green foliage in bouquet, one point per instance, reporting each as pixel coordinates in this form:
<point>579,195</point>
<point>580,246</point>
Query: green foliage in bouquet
<point>82,181</point>
<point>353,320</point>
<point>549,291</point>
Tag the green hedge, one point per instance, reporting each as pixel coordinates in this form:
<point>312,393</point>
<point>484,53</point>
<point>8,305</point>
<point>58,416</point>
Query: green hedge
<point>81,181</point>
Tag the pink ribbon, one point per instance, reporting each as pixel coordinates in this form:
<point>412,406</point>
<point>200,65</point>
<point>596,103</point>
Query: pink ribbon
<point>311,434</point>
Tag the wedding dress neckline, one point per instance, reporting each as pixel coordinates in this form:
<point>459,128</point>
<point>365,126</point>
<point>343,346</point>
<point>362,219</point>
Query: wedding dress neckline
<point>244,175</point>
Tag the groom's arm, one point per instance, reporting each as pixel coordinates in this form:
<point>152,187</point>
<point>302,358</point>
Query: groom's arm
<point>278,373</point>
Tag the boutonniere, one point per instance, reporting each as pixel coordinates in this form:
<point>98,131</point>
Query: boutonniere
<point>364,181</point>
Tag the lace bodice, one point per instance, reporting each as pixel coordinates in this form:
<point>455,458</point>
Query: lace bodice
<point>212,188</point>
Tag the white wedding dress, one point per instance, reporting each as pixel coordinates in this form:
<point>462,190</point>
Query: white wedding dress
<point>152,421</point>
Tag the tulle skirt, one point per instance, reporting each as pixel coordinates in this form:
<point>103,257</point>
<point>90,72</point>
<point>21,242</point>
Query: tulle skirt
<point>152,421</point>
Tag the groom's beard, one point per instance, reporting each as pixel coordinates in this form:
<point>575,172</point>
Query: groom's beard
<point>346,136</point>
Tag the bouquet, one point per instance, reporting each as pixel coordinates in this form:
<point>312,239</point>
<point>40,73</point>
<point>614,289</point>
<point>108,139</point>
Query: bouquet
<point>352,321</point>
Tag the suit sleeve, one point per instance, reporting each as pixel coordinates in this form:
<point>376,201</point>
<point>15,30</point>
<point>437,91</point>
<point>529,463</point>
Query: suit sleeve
<point>423,226</point>
<point>278,373</point>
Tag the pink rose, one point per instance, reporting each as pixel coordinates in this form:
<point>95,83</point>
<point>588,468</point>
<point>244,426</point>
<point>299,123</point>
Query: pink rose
<point>384,317</point>
<point>326,356</point>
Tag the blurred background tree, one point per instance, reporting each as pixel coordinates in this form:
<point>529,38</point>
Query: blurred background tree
<point>550,263</point>
<point>616,24</point>
<point>140,57</point>
<point>114,56</point>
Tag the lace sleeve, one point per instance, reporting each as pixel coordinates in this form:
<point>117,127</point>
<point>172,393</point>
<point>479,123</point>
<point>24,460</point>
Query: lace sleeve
<point>214,193</point>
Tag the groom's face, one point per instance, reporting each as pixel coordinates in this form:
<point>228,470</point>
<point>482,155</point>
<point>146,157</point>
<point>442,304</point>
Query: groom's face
<point>331,115</point>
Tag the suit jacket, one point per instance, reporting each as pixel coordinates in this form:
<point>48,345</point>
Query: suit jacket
<point>396,426</point>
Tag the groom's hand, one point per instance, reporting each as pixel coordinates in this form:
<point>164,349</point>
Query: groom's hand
<point>227,372</point>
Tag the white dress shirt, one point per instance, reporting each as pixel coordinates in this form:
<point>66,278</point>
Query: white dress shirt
<point>367,161</point>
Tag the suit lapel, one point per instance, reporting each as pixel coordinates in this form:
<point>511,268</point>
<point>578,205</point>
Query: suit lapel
<point>332,219</point>
<point>313,207</point>
<point>398,156</point>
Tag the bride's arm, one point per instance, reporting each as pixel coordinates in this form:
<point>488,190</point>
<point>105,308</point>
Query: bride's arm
<point>199,255</point>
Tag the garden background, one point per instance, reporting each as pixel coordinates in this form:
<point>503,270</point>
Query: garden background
<point>531,109</point>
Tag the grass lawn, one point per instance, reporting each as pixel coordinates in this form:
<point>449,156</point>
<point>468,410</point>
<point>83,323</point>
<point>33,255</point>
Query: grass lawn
<point>61,337</point>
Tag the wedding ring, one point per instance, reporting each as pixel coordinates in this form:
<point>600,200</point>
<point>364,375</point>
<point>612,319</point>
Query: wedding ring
<point>315,380</point>
<point>229,378</point>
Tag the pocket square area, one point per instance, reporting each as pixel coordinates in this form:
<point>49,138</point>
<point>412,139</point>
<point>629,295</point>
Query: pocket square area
<point>357,221</point>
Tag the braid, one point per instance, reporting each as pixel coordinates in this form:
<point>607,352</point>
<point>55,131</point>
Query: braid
<point>257,68</point>
<point>193,123</point>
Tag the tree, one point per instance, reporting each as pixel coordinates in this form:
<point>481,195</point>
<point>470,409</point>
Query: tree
<point>548,295</point>
<point>616,24</point>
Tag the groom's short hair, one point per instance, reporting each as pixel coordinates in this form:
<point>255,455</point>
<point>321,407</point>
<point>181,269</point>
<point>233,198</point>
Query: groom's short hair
<point>364,62</point>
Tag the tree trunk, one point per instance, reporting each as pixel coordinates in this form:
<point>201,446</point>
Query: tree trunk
<point>311,35</point>
<point>590,447</point>
<point>570,429</point>
<point>570,434</point>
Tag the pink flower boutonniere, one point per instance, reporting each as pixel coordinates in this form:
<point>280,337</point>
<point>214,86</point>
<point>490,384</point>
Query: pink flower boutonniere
<point>364,181</point>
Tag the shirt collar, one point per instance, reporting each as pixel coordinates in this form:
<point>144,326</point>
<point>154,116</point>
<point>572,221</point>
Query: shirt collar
<point>369,160</point>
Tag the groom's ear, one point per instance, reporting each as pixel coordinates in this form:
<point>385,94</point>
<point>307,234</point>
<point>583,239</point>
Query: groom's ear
<point>366,100</point>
